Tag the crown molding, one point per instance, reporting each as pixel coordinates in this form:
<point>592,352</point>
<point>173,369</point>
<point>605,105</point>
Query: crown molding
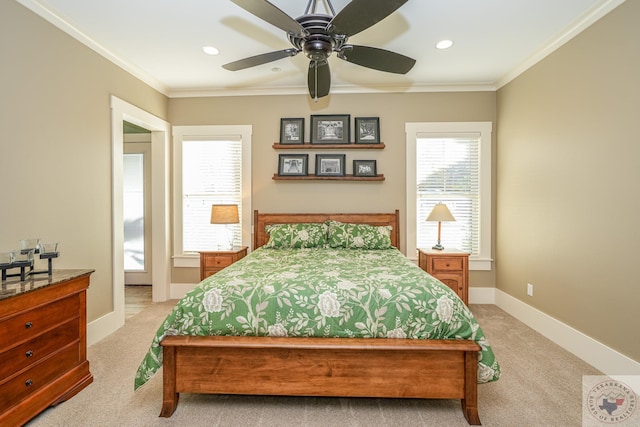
<point>579,25</point>
<point>54,18</point>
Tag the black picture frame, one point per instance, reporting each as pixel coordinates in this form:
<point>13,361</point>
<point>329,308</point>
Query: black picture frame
<point>330,128</point>
<point>367,130</point>
<point>365,168</point>
<point>330,164</point>
<point>292,130</point>
<point>293,164</point>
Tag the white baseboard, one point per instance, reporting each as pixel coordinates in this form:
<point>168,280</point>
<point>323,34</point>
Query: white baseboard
<point>103,327</point>
<point>482,295</point>
<point>178,290</point>
<point>605,359</point>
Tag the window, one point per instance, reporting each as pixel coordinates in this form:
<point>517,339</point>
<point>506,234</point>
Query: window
<point>212,165</point>
<point>450,163</point>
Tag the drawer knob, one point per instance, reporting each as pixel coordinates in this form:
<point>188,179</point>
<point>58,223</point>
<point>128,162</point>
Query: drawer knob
<point>29,353</point>
<point>28,383</point>
<point>28,325</point>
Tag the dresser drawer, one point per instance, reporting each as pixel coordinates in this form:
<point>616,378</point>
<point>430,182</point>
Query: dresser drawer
<point>218,261</point>
<point>32,351</point>
<point>29,324</point>
<point>447,264</point>
<point>39,375</point>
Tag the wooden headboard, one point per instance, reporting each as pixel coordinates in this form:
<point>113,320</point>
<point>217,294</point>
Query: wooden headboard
<point>260,220</point>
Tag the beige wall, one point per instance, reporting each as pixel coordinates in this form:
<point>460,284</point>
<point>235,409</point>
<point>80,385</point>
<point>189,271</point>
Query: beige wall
<point>394,110</point>
<point>569,182</point>
<point>55,158</point>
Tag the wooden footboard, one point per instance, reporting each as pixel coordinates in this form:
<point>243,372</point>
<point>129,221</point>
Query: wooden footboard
<point>394,368</point>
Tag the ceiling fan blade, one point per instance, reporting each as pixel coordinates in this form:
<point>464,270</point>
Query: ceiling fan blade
<point>319,79</point>
<point>358,15</point>
<point>378,59</point>
<point>252,61</point>
<point>271,14</point>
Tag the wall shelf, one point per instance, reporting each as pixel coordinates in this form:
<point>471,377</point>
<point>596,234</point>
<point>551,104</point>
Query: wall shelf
<point>312,177</point>
<point>309,146</point>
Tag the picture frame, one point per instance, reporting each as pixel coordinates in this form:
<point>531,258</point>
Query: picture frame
<point>365,168</point>
<point>293,164</point>
<point>367,130</point>
<point>330,128</point>
<point>292,130</point>
<point>330,165</point>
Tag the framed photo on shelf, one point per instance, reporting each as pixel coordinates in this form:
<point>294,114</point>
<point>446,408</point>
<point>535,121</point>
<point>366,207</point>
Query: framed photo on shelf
<point>330,165</point>
<point>367,130</point>
<point>292,131</point>
<point>293,164</point>
<point>364,168</point>
<point>330,129</point>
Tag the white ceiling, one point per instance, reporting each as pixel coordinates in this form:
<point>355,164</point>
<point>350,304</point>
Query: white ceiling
<point>161,42</point>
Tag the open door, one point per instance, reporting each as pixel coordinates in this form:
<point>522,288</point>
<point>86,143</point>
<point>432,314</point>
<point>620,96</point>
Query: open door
<point>136,206</point>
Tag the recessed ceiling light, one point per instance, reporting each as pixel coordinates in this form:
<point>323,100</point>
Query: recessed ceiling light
<point>276,69</point>
<point>210,50</point>
<point>444,44</point>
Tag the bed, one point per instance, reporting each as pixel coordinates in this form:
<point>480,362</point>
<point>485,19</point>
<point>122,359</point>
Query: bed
<point>360,332</point>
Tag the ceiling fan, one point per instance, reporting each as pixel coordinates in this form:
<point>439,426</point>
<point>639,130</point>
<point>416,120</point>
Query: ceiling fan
<point>318,35</point>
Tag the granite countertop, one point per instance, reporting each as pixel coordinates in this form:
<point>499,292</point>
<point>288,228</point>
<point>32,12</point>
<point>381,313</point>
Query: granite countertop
<point>13,286</point>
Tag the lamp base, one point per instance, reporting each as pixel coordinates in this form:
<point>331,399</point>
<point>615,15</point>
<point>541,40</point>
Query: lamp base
<point>438,247</point>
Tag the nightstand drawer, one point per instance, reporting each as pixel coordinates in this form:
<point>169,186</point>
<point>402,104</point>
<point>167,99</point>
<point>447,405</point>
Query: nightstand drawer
<point>218,261</point>
<point>447,264</point>
<point>213,261</point>
<point>30,324</point>
<point>32,351</point>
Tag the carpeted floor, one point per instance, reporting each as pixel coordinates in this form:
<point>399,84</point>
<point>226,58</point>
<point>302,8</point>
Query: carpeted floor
<point>540,386</point>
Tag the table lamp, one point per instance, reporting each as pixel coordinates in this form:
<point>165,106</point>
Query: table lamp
<point>225,214</point>
<point>440,213</point>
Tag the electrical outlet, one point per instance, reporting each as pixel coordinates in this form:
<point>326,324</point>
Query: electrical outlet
<point>529,289</point>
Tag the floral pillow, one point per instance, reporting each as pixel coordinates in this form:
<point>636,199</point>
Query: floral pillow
<point>359,236</point>
<point>296,236</point>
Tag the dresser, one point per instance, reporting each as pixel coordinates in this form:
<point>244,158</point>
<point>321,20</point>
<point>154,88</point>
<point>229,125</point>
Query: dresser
<point>43,345</point>
<point>450,266</point>
<point>214,261</point>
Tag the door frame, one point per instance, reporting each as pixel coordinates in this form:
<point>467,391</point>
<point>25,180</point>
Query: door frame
<point>160,235</point>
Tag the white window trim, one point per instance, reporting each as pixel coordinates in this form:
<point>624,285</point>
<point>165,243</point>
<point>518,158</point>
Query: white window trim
<point>437,129</point>
<point>244,132</point>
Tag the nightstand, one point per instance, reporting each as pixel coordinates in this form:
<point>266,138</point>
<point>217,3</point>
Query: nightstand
<point>213,261</point>
<point>450,266</point>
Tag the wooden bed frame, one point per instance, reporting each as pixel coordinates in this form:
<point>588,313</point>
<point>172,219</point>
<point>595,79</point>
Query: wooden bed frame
<point>344,367</point>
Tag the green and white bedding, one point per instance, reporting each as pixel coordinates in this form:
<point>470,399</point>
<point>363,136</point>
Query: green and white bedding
<point>323,292</point>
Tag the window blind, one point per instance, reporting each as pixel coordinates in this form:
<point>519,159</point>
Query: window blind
<point>448,171</point>
<point>211,174</point>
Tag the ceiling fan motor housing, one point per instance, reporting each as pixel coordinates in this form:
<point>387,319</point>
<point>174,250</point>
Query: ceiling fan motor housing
<point>317,44</point>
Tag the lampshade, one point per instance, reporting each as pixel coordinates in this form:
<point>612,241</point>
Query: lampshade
<point>224,214</point>
<point>440,212</point>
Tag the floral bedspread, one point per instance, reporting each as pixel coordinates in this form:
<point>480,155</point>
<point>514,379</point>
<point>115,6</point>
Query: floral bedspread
<point>322,293</point>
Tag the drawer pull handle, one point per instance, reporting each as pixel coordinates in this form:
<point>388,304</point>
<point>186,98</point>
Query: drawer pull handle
<point>28,325</point>
<point>28,383</point>
<point>448,264</point>
<point>29,353</point>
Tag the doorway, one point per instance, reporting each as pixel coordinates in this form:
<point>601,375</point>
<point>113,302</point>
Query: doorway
<point>137,215</point>
<point>122,111</point>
